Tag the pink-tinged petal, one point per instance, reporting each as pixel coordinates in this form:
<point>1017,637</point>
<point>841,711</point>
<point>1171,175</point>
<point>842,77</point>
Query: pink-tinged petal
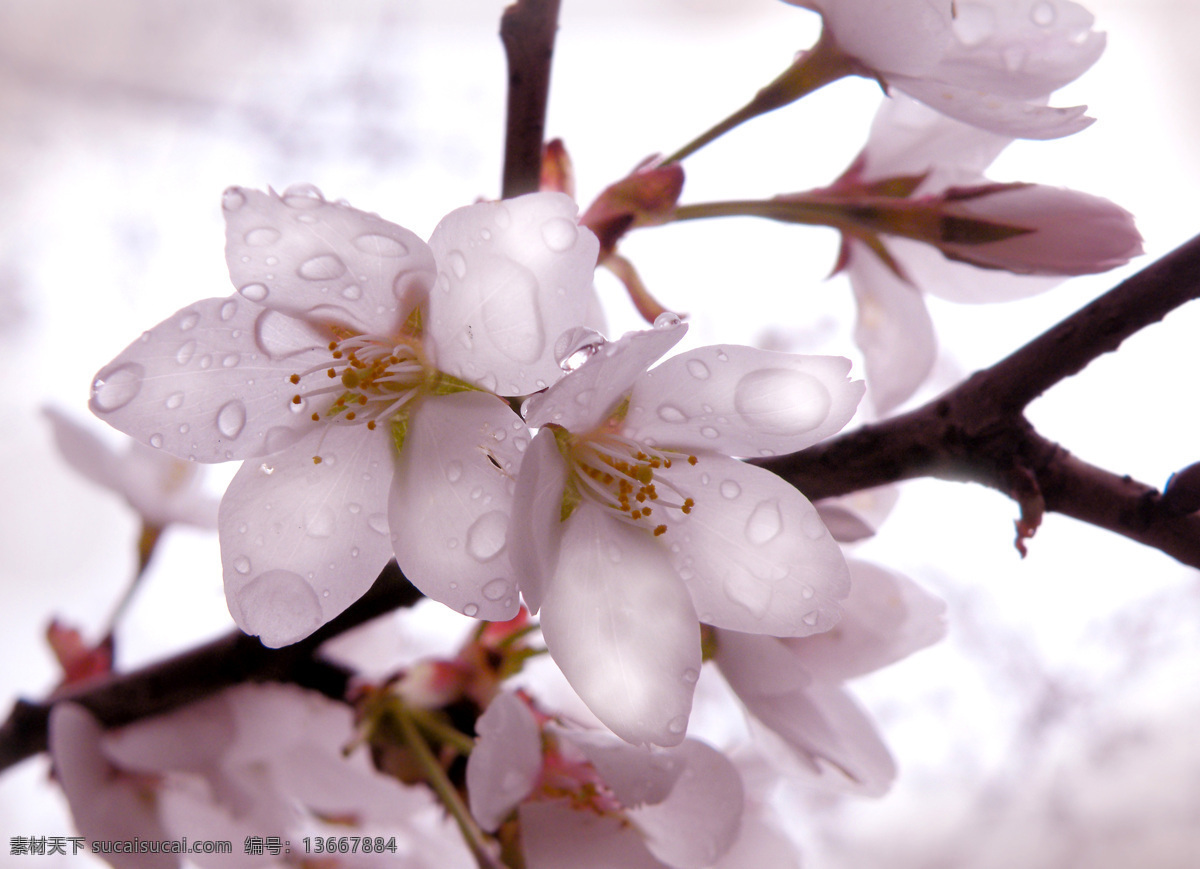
<point>700,820</point>
<point>556,836</point>
<point>893,330</point>
<point>512,277</point>
<point>325,262</point>
<point>621,627</point>
<point>886,617</point>
<point>589,395</point>
<point>106,805</point>
<point>635,774</point>
<point>211,382</point>
<point>451,500</point>
<point>831,737</point>
<point>855,517</point>
<point>1003,115</point>
<point>535,530</point>
<point>191,739</point>
<point>87,455</point>
<point>301,541</point>
<point>1074,233</point>
<point>506,761</point>
<point>753,552</point>
<point>960,282</point>
<point>889,37</point>
<point>741,401</point>
<point>760,844</point>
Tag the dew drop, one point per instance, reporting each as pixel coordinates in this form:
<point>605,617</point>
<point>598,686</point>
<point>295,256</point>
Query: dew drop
<point>670,413</point>
<point>303,197</point>
<point>325,267</point>
<point>378,523</point>
<point>764,523</point>
<point>807,592</point>
<point>229,309</point>
<point>559,233</point>
<point>320,522</point>
<point>575,346</point>
<point>231,361</point>
<point>241,564</point>
<point>189,321</point>
<point>262,236</point>
<point>185,428</point>
<point>730,489</point>
<point>354,508</point>
<point>781,401</point>
<point>709,432</point>
<point>697,369</point>
<point>117,388</point>
<point>486,536</point>
<point>266,470</point>
<point>254,292</point>
<point>1043,14</point>
<point>174,401</point>
<point>278,603</point>
<point>471,610</point>
<point>678,724</point>
<point>974,23</point>
<point>690,676</point>
<point>231,418</point>
<point>810,619</point>
<point>156,440</point>
<point>454,471</point>
<point>206,361</point>
<point>380,245</point>
<point>457,263</point>
<point>233,199</point>
<point>185,353</point>
<point>496,589</point>
<point>667,320</point>
<point>353,292</point>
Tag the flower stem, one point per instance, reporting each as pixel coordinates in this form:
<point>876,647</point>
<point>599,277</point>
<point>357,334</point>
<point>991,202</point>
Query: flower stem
<point>475,838</point>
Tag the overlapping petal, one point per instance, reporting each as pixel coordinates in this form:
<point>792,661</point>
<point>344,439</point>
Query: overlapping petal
<point>506,761</point>
<point>741,401</point>
<point>512,276</point>
<point>301,541</point>
<point>622,628</point>
<point>323,261</point>
<point>450,502</point>
<point>535,528</point>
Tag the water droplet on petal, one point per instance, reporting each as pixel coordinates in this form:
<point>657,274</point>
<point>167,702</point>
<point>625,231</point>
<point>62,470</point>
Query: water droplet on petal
<point>185,353</point>
<point>378,523</point>
<point>1043,14</point>
<point>454,471</point>
<point>262,236</point>
<point>764,523</point>
<point>156,440</point>
<point>231,361</point>
<point>117,388</point>
<point>380,245</point>
<point>810,619</point>
<point>266,470</point>
<point>782,401</point>
<point>575,346</point>
<point>241,564</point>
<point>174,401</point>
<point>353,292</point>
<point>471,610</point>
<point>188,321</point>
<point>325,267</point>
<point>254,292</point>
<point>278,602</point>
<point>320,521</point>
<point>228,309</point>
<point>486,536</point>
<point>678,724</point>
<point>457,263</point>
<point>666,320</point>
<point>233,199</point>
<point>303,196</point>
<point>496,589</point>
<point>559,233</point>
<point>231,418</point>
<point>730,489</point>
<point>690,676</point>
<point>697,369</point>
<point>670,413</point>
<point>709,432</point>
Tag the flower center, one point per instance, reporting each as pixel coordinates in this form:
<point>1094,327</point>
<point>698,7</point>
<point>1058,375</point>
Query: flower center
<point>372,377</point>
<point>624,476</point>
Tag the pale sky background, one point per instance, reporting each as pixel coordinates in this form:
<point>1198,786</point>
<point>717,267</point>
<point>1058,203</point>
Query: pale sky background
<point>1053,729</point>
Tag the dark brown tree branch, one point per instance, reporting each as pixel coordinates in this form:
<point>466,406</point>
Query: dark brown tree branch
<point>527,29</point>
<point>977,431</point>
<point>203,671</point>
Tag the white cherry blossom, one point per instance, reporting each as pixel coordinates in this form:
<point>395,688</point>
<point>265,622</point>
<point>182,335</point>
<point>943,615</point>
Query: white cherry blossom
<point>632,523</point>
<point>988,63</point>
<point>793,686</point>
<point>349,370</point>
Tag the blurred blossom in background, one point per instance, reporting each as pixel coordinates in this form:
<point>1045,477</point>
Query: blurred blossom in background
<point>1054,728</point>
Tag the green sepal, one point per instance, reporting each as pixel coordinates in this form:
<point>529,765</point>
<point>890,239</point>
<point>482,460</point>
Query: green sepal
<point>399,427</point>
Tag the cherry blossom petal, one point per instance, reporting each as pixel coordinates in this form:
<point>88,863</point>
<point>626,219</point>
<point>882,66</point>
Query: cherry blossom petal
<point>536,529</point>
<point>859,515</point>
<point>753,551</point>
<point>211,383</point>
<point>451,499</point>
<point>741,401</point>
<point>506,761</point>
<point>587,398</point>
<point>1003,115</point>
<point>512,277</point>
<point>893,330</point>
<point>621,627</point>
<point>106,805</point>
<point>886,617</point>
<point>700,819</point>
<point>887,36</point>
<point>323,261</point>
<point>635,774</point>
<point>556,836</point>
<point>760,844</point>
<point>300,541</point>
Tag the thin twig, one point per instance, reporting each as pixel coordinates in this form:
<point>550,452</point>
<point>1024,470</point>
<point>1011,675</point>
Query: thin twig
<point>527,29</point>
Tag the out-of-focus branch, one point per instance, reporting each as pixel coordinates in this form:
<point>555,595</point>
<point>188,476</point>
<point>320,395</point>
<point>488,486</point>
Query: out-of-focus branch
<point>978,432</point>
<point>203,671</point>
<point>527,29</point>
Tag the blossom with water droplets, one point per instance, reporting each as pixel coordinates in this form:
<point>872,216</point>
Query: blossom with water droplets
<point>988,63</point>
<point>354,370</point>
<point>793,686</point>
<point>596,800</point>
<point>632,523</point>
